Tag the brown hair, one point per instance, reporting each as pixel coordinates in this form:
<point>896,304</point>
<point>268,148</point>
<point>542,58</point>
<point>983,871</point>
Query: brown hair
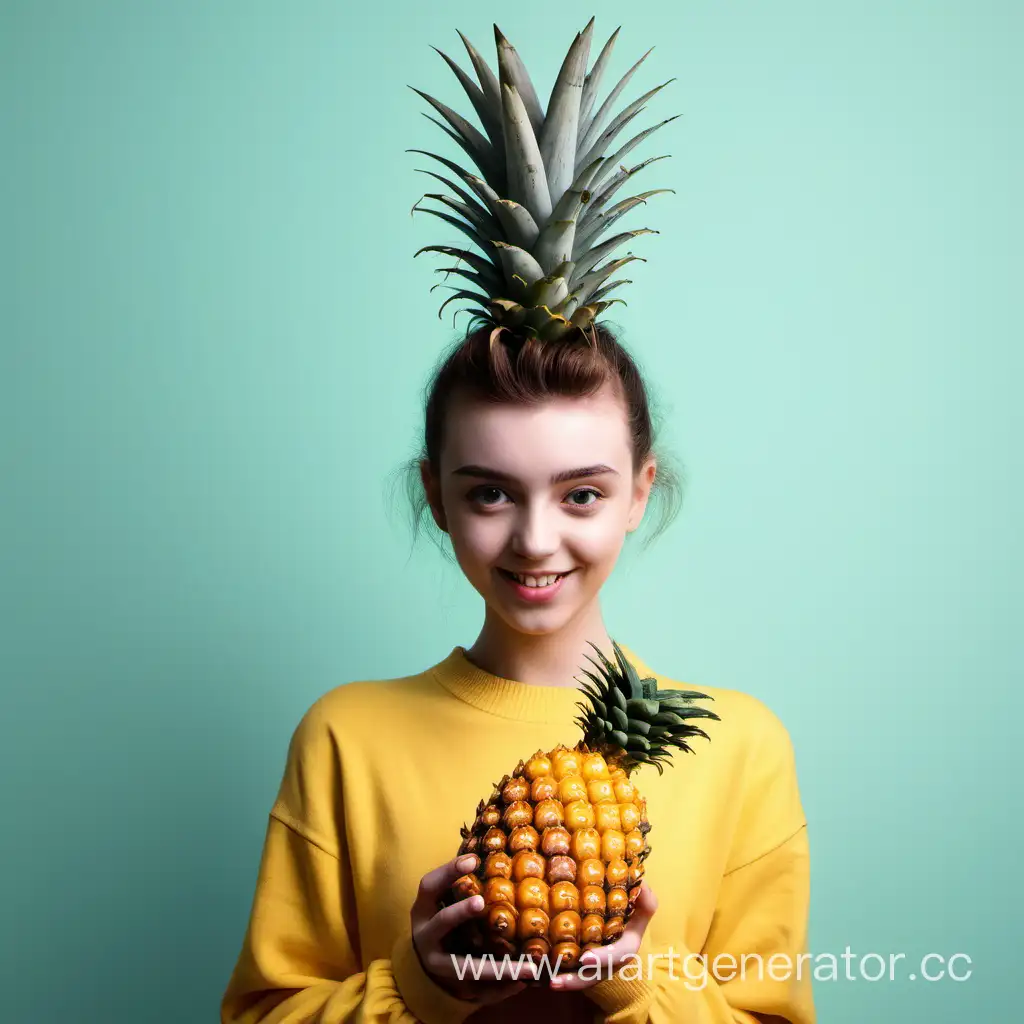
<point>503,368</point>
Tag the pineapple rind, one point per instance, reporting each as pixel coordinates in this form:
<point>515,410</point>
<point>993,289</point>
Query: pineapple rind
<point>507,929</point>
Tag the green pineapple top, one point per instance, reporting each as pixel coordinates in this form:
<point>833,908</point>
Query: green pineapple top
<point>631,719</point>
<point>542,200</point>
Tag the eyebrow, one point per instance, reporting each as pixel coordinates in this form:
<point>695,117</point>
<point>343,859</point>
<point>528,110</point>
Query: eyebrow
<point>557,478</point>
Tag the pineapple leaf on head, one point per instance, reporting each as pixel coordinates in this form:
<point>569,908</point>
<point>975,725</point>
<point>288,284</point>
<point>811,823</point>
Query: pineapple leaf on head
<point>547,175</point>
<point>630,720</point>
<point>593,80</point>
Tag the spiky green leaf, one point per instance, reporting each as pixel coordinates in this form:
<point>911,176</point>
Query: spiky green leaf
<point>527,182</point>
<point>593,80</point>
<point>593,125</point>
<point>512,71</point>
<point>485,109</point>
<point>558,136</point>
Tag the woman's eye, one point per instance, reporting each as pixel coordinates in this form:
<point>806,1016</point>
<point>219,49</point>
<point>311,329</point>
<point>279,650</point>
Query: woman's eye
<point>586,491</point>
<point>482,494</point>
<point>479,493</point>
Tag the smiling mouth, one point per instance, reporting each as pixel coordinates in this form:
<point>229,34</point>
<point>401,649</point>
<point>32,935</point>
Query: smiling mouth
<point>515,579</point>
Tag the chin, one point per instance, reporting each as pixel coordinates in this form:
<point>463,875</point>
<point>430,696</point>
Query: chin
<point>536,621</point>
<point>540,629</point>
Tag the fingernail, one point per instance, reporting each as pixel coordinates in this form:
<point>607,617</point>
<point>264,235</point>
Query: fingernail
<point>588,958</point>
<point>476,902</point>
<point>466,863</point>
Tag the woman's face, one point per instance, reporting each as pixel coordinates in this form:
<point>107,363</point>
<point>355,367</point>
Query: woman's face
<point>498,498</point>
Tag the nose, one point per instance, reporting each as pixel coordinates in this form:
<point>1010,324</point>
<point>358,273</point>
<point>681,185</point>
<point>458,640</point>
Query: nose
<point>535,534</point>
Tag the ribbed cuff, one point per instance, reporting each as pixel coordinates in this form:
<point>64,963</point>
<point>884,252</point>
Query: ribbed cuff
<point>427,1001</point>
<point>617,994</point>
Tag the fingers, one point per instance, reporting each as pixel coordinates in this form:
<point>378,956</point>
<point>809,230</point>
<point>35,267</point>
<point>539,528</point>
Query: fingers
<point>597,965</point>
<point>646,902</point>
<point>643,910</point>
<point>498,975</point>
<point>484,981</point>
<point>430,925</point>
<point>434,884</point>
<point>447,919</point>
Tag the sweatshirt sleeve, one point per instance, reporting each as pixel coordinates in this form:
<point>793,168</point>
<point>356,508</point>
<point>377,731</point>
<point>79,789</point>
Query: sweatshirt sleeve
<point>754,964</point>
<point>300,959</point>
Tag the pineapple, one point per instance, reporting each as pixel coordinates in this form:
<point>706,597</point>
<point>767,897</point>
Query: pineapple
<point>561,842</point>
<point>543,197</point>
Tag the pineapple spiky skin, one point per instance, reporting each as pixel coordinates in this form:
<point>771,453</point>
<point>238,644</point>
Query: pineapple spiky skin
<point>561,841</point>
<point>561,844</point>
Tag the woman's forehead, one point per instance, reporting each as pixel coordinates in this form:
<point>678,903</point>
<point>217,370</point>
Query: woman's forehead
<point>540,438</point>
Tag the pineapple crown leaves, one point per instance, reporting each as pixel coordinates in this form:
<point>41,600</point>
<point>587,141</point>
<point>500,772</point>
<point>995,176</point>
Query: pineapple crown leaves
<point>631,718</point>
<point>541,203</point>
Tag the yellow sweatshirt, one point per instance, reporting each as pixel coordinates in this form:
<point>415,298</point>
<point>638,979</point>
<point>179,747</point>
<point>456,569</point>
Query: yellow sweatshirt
<point>380,775</point>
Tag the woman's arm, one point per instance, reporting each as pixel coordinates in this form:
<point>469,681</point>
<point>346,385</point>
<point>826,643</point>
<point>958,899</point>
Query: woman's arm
<point>299,959</point>
<point>752,968</point>
<point>761,914</point>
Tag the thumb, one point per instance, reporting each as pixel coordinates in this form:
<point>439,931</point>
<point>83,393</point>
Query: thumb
<point>647,902</point>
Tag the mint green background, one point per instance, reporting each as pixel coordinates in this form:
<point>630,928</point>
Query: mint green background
<point>214,342</point>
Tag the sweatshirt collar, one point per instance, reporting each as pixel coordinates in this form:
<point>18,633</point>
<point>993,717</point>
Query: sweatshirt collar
<point>511,698</point>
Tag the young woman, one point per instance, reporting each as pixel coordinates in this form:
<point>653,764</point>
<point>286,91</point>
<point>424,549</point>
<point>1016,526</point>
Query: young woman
<point>381,774</point>
<point>538,462</point>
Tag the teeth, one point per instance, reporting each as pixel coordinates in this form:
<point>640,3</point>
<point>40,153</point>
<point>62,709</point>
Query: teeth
<point>536,581</point>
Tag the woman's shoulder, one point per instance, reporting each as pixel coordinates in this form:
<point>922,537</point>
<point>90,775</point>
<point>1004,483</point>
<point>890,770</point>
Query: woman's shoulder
<point>353,706</point>
<point>744,718</point>
<point>748,765</point>
<point>340,734</point>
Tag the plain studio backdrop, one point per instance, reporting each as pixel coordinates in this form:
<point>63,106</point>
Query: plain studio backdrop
<point>215,340</point>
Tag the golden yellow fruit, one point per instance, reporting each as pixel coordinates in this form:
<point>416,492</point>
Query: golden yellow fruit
<point>562,840</point>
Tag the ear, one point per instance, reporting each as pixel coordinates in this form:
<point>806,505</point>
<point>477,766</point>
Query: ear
<point>432,489</point>
<point>641,492</point>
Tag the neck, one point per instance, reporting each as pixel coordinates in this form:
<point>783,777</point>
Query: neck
<point>547,659</point>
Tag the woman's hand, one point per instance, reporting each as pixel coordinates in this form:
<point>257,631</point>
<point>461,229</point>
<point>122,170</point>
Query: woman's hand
<point>430,925</point>
<point>615,953</point>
